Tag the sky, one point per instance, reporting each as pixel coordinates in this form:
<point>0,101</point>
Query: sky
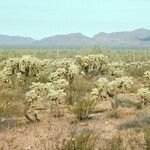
<point>43,18</point>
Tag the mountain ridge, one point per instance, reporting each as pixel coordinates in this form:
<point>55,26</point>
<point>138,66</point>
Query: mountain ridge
<point>136,38</point>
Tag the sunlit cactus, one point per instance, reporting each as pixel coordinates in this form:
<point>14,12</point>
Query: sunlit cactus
<point>92,64</point>
<point>144,95</point>
<point>120,85</point>
<point>18,70</point>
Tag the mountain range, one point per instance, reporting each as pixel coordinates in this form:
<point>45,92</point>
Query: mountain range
<point>136,38</point>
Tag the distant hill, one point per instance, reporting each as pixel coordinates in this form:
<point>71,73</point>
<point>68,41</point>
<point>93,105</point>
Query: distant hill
<point>136,38</point>
<point>68,40</point>
<point>15,40</point>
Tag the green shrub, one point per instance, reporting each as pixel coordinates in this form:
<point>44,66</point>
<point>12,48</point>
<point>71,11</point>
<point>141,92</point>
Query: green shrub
<point>83,108</point>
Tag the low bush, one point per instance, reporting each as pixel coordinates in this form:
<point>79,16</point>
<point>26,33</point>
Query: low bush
<point>78,89</point>
<point>83,108</point>
<point>81,140</point>
<point>11,103</point>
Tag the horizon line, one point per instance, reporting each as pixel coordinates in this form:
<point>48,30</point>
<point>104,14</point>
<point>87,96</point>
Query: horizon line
<point>22,36</point>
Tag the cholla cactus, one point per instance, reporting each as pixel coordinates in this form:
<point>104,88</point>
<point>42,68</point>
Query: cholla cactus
<point>60,84</point>
<point>105,88</point>
<point>116,69</point>
<point>5,75</point>
<point>54,91</point>
<point>95,93</point>
<point>73,70</point>
<point>116,72</point>
<point>137,68</point>
<point>68,72</point>
<point>20,78</point>
<point>101,89</point>
<point>16,69</point>
<point>144,95</point>
<point>147,78</point>
<point>147,75</point>
<point>120,85</point>
<point>58,74</point>
<point>41,96</point>
<point>92,64</point>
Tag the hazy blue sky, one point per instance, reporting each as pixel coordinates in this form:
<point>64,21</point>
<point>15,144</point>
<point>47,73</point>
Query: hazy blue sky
<point>40,18</point>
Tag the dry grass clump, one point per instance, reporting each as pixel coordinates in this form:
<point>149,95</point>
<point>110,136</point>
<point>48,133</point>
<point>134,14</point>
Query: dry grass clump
<point>10,109</point>
<point>84,139</point>
<point>11,103</point>
<point>79,88</point>
<point>128,139</point>
<point>137,71</point>
<point>83,108</point>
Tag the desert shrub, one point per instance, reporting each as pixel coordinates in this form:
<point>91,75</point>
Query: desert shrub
<point>78,89</point>
<point>83,108</point>
<point>11,109</point>
<point>11,103</point>
<point>79,140</point>
<point>81,83</point>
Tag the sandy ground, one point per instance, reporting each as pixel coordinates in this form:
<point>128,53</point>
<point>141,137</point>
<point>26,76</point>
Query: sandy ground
<point>43,135</point>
